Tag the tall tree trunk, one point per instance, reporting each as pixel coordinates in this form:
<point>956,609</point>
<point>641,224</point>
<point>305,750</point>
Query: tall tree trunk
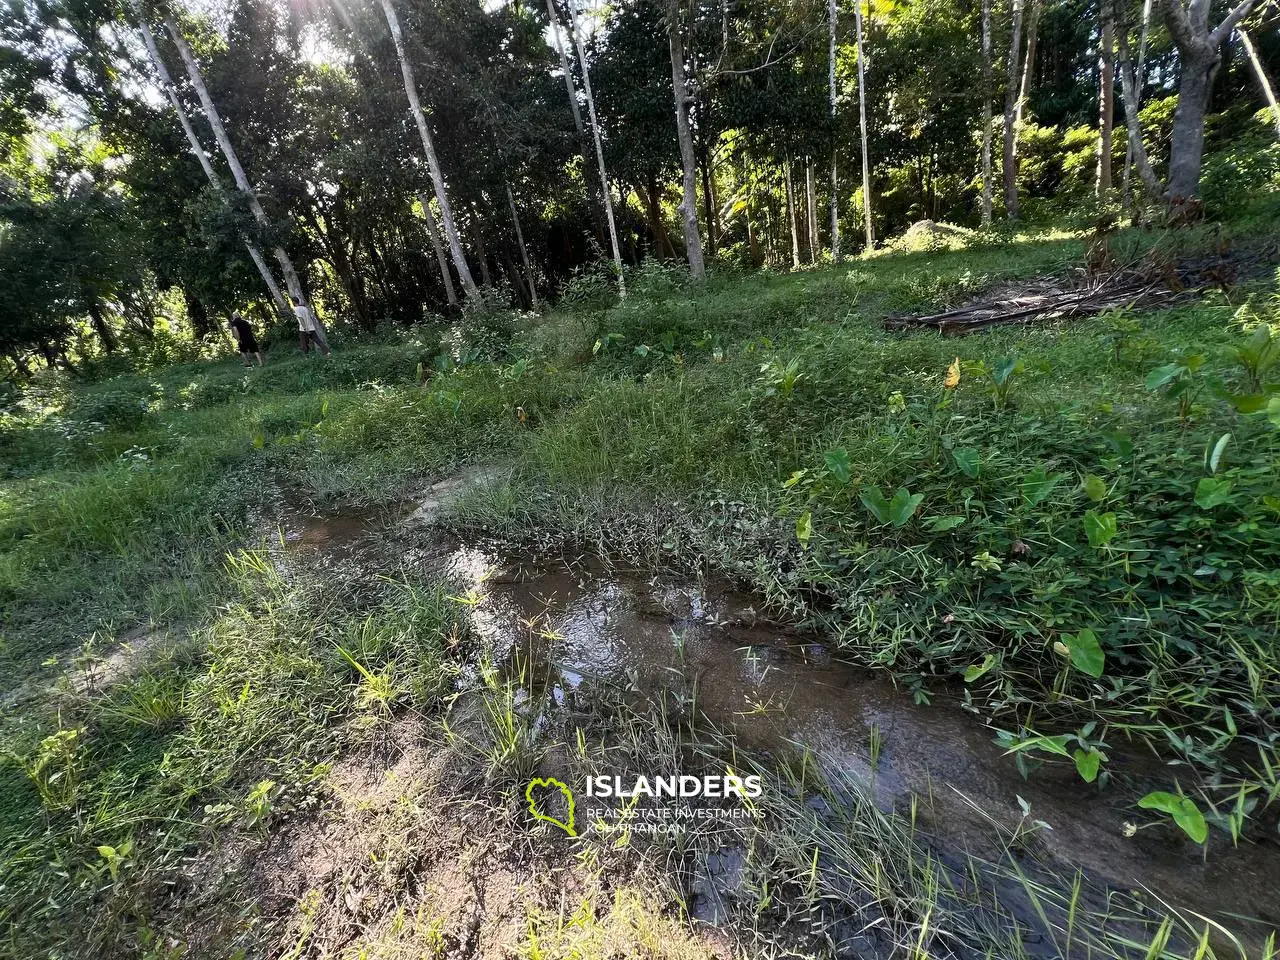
<point>1186,144</point>
<point>428,147</point>
<point>595,133</point>
<point>524,252</point>
<point>862,123</point>
<point>100,326</point>
<point>433,233</point>
<point>708,198</point>
<point>564,65</point>
<point>793,218</point>
<point>1199,52</point>
<point>987,112</point>
<point>831,102</point>
<point>684,135</point>
<point>196,313</point>
<point>811,194</point>
<point>653,207</point>
<point>228,151</point>
<point>1010,168</point>
<point>1028,65</point>
<point>171,94</point>
<point>1261,75</point>
<point>1106,95</point>
<point>482,252</point>
<point>1130,87</point>
<point>1136,93</point>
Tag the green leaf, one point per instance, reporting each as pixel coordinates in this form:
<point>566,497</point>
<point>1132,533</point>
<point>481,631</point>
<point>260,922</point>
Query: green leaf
<point>1038,484</point>
<point>1166,374</point>
<point>1119,441</point>
<point>837,460</point>
<point>1095,488</point>
<point>794,479</point>
<point>804,527</point>
<point>976,670</point>
<point>1215,457</point>
<point>1212,492</point>
<point>1183,810</point>
<point>1086,653</point>
<point>1273,410</point>
<point>1087,763</point>
<point>1056,745</point>
<point>903,506</point>
<point>873,499</point>
<point>1100,528</point>
<point>1004,369</point>
<point>968,461</point>
<point>943,524</point>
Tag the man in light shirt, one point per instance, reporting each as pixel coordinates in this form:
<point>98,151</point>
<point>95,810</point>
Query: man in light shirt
<point>309,329</point>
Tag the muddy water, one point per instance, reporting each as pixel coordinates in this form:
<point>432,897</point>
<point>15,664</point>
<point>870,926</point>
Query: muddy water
<point>779,690</point>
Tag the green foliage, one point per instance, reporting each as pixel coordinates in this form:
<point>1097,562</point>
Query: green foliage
<point>1182,810</point>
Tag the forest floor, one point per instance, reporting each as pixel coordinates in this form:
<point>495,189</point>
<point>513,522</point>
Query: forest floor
<point>285,646</point>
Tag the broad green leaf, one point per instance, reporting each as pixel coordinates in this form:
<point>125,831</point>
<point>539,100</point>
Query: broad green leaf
<point>903,506</point>
<point>1212,492</point>
<point>1100,528</point>
<point>1119,441</point>
<point>1086,653</point>
<point>794,479</point>
<point>943,524</point>
<point>873,499</point>
<point>1038,484</point>
<point>1215,456</point>
<point>968,461</point>
<point>1087,763</point>
<point>804,527</point>
<point>1095,488</point>
<point>976,670</point>
<point>1183,810</point>
<point>1004,369</point>
<point>1273,410</point>
<point>837,460</point>
<point>1166,374</point>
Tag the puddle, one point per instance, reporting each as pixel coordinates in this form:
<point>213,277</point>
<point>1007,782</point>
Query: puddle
<point>708,647</point>
<point>704,646</point>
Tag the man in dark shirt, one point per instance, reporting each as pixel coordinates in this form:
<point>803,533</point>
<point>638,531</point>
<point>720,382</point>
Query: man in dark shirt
<point>243,333</point>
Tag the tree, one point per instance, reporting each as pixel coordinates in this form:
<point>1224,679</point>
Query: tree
<point>595,134</point>
<point>429,149</point>
<point>684,136</point>
<point>831,87</point>
<point>228,151</point>
<point>1106,94</point>
<point>986,112</point>
<point>166,85</point>
<point>1256,63</point>
<point>862,124</point>
<point>1139,80</point>
<point>1199,53</point>
<point>1010,166</point>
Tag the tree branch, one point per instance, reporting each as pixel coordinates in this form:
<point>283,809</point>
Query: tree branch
<point>1223,30</point>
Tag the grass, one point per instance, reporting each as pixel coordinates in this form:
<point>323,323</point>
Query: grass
<point>744,428</point>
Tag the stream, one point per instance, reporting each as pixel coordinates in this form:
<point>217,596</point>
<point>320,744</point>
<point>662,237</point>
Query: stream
<point>778,689</point>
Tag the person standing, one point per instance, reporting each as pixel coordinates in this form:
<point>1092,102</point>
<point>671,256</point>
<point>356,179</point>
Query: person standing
<point>243,333</point>
<point>309,329</point>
